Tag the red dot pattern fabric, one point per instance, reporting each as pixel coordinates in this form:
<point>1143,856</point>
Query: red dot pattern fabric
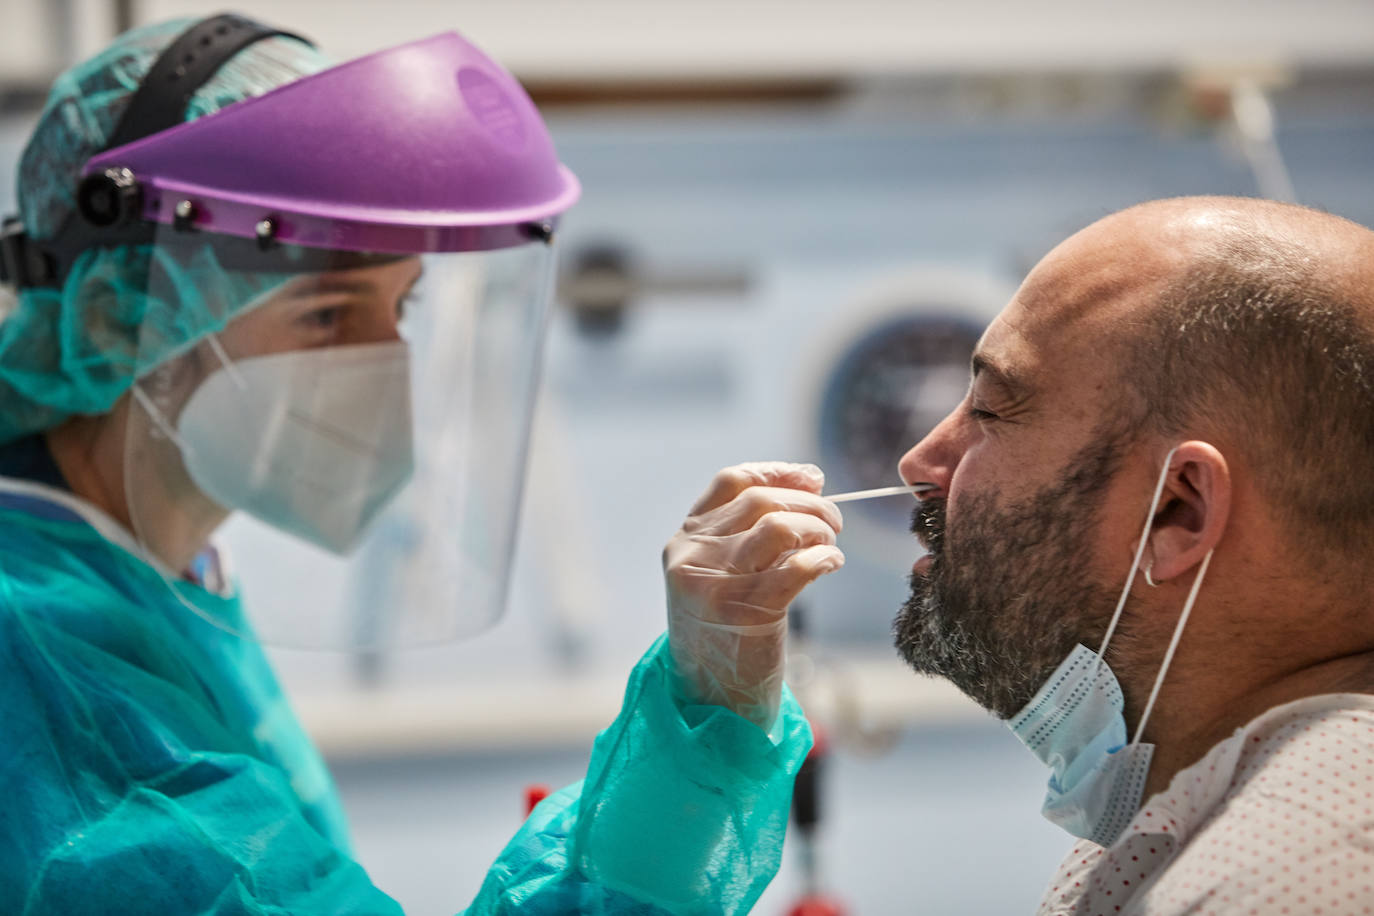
<point>1277,819</point>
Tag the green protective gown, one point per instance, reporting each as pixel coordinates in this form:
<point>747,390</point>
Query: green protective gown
<point>150,764</point>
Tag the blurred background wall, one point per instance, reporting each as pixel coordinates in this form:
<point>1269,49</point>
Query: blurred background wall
<point>797,217</point>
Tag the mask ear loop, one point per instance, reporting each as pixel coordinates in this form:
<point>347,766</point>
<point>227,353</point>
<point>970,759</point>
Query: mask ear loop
<point>158,419</point>
<point>1135,563</point>
<point>229,368</point>
<point>155,414</point>
<point>1173,645</point>
<point>1182,618</point>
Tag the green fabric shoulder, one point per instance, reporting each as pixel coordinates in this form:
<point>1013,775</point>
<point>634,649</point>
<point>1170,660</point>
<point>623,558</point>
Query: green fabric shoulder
<point>151,758</point>
<point>154,758</point>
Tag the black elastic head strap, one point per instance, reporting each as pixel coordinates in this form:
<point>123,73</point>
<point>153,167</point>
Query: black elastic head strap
<point>187,64</point>
<point>108,211</point>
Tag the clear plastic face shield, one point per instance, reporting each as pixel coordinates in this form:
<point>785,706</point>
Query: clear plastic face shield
<point>330,300</point>
<point>347,452</point>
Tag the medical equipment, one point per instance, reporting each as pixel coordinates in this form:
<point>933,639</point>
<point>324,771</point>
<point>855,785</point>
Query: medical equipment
<point>915,489</point>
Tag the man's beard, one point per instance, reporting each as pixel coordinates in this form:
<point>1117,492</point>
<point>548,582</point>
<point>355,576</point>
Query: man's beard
<point>1009,591</point>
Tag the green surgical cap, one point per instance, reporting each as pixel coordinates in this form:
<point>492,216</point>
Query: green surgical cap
<point>77,349</point>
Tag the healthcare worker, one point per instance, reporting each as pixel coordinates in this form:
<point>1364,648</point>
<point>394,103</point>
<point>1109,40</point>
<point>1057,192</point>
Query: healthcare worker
<point>298,308</point>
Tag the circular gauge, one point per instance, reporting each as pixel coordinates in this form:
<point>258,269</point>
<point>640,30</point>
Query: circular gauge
<point>888,389</point>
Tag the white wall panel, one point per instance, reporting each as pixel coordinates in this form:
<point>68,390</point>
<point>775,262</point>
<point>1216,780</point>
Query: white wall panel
<point>667,39</point>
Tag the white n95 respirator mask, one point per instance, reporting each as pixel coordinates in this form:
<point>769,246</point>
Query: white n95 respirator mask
<point>313,442</point>
<point>310,494</point>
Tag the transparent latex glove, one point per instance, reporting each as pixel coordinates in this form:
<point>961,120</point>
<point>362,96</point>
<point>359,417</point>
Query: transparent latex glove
<point>758,536</point>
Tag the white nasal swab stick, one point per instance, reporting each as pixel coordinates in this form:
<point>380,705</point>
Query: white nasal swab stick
<point>912,490</point>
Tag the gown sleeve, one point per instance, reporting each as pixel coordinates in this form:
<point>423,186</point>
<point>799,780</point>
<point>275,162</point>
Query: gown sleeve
<point>141,772</point>
<point>683,811</point>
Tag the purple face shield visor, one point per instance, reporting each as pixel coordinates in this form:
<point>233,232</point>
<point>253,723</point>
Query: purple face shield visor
<point>430,146</point>
<point>365,256</point>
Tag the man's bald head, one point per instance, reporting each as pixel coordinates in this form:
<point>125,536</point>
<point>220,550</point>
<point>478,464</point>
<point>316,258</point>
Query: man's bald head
<point>1259,330</point>
<point>1237,330</point>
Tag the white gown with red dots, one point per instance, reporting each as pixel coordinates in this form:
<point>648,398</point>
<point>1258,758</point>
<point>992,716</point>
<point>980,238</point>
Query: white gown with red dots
<point>1277,819</point>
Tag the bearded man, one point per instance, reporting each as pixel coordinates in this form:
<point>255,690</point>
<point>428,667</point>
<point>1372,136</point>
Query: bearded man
<point>1149,528</point>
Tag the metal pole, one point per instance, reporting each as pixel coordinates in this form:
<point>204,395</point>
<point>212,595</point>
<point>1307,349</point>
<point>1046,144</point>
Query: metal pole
<point>1253,114</point>
<point>125,17</point>
<point>62,28</point>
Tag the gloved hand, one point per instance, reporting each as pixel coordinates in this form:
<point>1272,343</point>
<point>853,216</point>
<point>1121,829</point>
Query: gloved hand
<point>755,539</point>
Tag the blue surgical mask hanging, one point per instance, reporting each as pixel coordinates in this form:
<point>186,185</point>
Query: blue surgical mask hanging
<point>1075,724</point>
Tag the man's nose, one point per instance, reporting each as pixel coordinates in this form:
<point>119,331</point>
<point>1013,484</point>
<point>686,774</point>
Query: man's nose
<point>934,458</point>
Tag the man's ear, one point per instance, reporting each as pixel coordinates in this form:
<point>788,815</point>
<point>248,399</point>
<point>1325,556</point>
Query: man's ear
<point>1193,510</point>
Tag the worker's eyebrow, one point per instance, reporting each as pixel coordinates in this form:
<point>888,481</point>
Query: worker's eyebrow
<point>1001,376</point>
<point>312,285</point>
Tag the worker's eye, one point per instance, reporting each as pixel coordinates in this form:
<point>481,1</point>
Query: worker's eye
<point>979,413</point>
<point>322,318</point>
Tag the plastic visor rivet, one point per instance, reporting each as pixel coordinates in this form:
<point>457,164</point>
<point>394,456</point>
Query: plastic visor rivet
<point>108,198</point>
<point>184,215</point>
<point>542,232</point>
<point>266,231</point>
